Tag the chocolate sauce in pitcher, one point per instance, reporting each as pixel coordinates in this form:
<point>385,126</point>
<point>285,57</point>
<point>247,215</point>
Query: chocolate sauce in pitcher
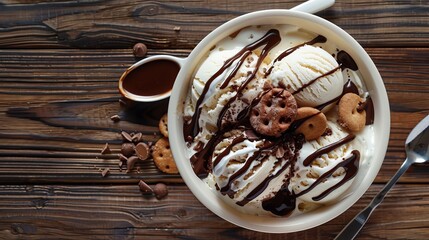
<point>152,78</point>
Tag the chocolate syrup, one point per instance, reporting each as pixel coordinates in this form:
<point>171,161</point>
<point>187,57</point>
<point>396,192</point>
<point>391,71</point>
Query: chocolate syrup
<point>319,152</point>
<point>349,87</point>
<point>346,61</point>
<point>228,149</point>
<point>351,170</point>
<point>262,186</point>
<point>369,108</point>
<point>265,50</point>
<point>318,39</point>
<point>270,39</point>
<point>314,80</point>
<point>351,165</point>
<point>257,156</point>
<point>282,204</point>
<point>153,78</point>
<point>284,201</point>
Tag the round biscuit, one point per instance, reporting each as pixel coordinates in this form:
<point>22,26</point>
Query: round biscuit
<point>163,125</point>
<point>348,115</point>
<point>314,126</point>
<point>162,156</point>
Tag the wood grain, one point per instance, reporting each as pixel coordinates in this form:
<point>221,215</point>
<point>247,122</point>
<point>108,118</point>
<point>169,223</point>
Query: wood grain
<point>59,66</point>
<point>55,106</point>
<point>119,24</point>
<point>121,212</point>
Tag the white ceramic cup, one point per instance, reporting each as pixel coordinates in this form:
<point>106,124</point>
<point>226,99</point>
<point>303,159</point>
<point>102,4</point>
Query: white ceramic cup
<point>372,81</point>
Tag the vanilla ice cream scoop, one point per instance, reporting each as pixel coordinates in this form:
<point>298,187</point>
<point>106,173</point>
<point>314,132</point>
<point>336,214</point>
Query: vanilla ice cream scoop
<point>249,170</point>
<point>328,170</point>
<point>311,74</point>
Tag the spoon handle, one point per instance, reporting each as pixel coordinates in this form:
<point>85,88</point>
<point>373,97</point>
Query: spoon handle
<point>352,229</point>
<point>313,6</point>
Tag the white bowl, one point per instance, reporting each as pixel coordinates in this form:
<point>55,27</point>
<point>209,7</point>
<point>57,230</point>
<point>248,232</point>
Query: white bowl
<point>363,179</point>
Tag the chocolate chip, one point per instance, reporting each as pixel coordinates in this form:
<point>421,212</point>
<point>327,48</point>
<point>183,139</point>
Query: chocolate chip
<point>120,164</point>
<point>137,137</point>
<point>115,118</point>
<point>105,172</point>
<point>139,50</point>
<point>122,158</point>
<point>127,149</point>
<point>106,149</point>
<point>131,162</point>
<point>160,190</point>
<point>144,188</point>
<point>142,151</point>
<point>126,136</point>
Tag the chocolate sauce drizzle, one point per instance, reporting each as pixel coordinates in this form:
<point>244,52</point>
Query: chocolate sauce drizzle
<point>351,165</point>
<point>227,150</point>
<point>349,87</point>
<point>318,39</point>
<point>270,39</point>
<point>314,80</point>
<point>369,108</point>
<point>319,152</point>
<point>262,186</point>
<point>282,204</point>
<point>346,61</point>
<point>284,201</point>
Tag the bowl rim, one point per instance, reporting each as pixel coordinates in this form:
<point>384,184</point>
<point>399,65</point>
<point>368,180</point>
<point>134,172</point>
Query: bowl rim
<point>280,225</point>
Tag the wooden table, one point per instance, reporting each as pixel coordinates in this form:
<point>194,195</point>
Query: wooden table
<point>59,68</point>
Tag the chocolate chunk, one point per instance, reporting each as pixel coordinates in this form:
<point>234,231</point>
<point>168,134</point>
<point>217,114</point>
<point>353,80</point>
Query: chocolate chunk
<point>115,118</point>
<point>106,149</point>
<point>142,151</point>
<point>120,164</point>
<point>137,137</point>
<point>105,172</point>
<point>126,136</point>
<point>160,190</point>
<point>122,158</point>
<point>139,50</point>
<point>127,149</point>
<point>144,188</point>
<point>131,162</point>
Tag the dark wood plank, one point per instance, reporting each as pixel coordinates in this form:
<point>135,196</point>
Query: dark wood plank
<point>55,108</point>
<point>121,212</point>
<point>119,24</point>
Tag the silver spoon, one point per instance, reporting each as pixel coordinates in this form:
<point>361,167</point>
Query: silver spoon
<point>417,149</point>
